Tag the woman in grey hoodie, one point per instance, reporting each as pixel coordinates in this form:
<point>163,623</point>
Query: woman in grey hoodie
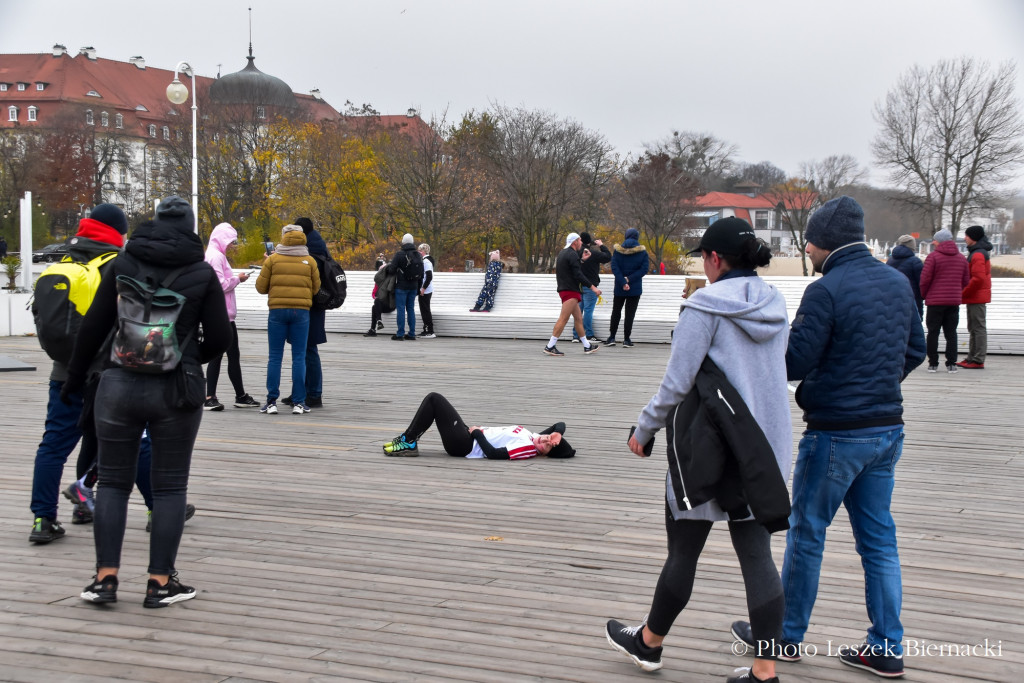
<point>739,322</point>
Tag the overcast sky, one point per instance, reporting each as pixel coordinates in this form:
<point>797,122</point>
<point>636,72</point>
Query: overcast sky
<point>786,81</point>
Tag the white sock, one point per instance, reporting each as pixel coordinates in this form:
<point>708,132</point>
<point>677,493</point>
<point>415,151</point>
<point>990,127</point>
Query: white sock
<point>554,340</point>
<point>586,342</point>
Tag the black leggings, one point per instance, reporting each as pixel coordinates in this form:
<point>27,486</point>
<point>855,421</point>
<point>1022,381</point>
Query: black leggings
<point>436,410</point>
<point>631,304</point>
<point>752,543</point>
<point>428,320</point>
<point>234,368</point>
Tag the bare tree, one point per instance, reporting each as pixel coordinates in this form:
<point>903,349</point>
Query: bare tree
<point>764,173</point>
<point>795,200</point>
<point>951,136</point>
<point>543,164</point>
<point>830,176</point>
<point>702,155</point>
<point>658,198</point>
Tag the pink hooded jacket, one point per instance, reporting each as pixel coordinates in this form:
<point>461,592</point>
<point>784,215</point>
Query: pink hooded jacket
<point>221,238</point>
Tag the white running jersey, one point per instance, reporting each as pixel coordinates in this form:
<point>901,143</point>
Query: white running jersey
<point>428,267</point>
<point>517,440</point>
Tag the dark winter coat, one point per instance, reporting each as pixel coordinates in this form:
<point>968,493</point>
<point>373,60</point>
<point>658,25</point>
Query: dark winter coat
<point>407,251</point>
<point>569,271</point>
<point>979,287</point>
<point>856,335</point>
<point>717,451</point>
<point>592,266</point>
<point>317,318</point>
<point>944,276</point>
<point>906,261</point>
<point>630,263</point>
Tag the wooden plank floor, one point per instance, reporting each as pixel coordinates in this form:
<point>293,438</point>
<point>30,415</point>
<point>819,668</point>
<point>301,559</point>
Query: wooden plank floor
<point>317,558</point>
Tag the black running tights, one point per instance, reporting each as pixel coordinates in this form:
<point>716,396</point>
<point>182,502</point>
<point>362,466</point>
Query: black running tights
<point>752,543</point>
<point>631,303</point>
<point>435,409</point>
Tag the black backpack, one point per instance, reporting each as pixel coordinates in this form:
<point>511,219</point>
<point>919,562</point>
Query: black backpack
<point>333,285</point>
<point>412,269</point>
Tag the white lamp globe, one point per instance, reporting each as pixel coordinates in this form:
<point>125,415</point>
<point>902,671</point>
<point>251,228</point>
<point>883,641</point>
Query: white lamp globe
<point>177,92</point>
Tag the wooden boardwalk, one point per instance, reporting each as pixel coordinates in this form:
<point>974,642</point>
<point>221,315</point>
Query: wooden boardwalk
<point>317,558</point>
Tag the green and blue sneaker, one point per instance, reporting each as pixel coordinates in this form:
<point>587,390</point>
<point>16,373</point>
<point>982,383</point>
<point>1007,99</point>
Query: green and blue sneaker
<point>402,448</point>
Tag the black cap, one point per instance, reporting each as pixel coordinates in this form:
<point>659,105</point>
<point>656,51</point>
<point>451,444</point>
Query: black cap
<point>726,236</point>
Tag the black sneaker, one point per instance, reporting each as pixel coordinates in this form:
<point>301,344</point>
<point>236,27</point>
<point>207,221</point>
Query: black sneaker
<point>610,341</point>
<point>745,675</point>
<point>576,340</point>
<point>190,511</point>
<point>171,592</point>
<point>553,351</point>
<point>104,590</point>
<point>395,337</point>
<point>629,641</point>
<point>213,404</point>
<point>783,650</point>
<point>317,402</point>
<point>873,658</point>
<point>380,325</point>
<point>246,401</point>
<point>591,349</point>
<point>627,344</point>
<point>952,369</point>
<point>287,400</point>
<point>409,337</point>
<point>933,368</point>
<point>45,530</point>
<point>370,333</point>
<point>80,514</point>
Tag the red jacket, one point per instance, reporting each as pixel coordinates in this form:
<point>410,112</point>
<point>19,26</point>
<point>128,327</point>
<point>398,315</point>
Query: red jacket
<point>979,288</point>
<point>944,276</point>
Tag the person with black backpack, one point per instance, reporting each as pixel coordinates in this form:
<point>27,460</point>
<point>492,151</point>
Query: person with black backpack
<point>407,264</point>
<point>153,380</point>
<point>62,295</point>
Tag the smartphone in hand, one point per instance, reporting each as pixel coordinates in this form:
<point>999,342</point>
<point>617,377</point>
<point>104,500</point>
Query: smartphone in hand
<point>648,447</point>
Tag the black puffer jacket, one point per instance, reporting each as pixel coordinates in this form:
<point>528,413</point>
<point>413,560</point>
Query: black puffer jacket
<point>718,451</point>
<point>155,249</point>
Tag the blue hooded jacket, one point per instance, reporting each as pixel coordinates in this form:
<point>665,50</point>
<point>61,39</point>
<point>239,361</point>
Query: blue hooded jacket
<point>906,261</point>
<point>856,335</point>
<point>630,262</point>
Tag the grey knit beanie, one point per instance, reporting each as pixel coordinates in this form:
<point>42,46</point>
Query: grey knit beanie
<point>838,222</point>
<point>942,236</point>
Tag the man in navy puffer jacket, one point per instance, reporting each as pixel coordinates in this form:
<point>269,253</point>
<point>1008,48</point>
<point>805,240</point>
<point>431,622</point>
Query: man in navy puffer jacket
<point>856,335</point>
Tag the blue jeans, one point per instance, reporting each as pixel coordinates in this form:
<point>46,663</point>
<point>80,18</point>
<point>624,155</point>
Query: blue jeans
<point>127,403</point>
<point>291,325</point>
<point>589,302</point>
<point>405,305</point>
<point>856,469</point>
<point>60,437</point>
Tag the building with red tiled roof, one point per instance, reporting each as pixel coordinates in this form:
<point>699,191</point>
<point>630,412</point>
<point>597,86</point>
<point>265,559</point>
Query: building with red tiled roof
<point>763,211</point>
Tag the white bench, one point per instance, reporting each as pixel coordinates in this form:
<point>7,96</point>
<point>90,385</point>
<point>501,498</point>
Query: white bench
<point>526,306</point>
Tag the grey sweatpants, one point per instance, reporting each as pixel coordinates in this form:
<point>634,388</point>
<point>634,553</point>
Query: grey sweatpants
<point>978,346</point>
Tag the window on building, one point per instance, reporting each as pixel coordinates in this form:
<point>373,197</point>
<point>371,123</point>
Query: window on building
<point>3,87</point>
<point>12,113</point>
<point>152,131</point>
<point>777,243</point>
<point>118,121</point>
<point>40,86</point>
<point>261,112</point>
<point>177,135</point>
<point>123,176</point>
<point>92,93</point>
<point>167,133</point>
<point>32,113</point>
<point>760,220</point>
<point>21,86</point>
<point>88,117</point>
<point>104,119</point>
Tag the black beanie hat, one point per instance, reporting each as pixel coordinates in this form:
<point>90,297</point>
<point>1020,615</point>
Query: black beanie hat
<point>975,232</point>
<point>305,224</point>
<point>585,236</point>
<point>111,215</point>
<point>835,224</point>
<point>175,212</point>
<point>563,449</point>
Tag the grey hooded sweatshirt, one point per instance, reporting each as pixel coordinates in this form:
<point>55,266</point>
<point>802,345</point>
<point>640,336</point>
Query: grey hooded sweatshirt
<point>741,324</point>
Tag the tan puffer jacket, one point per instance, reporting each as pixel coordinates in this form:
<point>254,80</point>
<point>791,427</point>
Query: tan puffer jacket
<point>291,281</point>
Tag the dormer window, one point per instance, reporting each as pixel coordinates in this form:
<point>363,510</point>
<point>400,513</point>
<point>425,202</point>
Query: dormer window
<point>40,86</point>
<point>92,93</point>
<point>140,108</point>
<point>167,133</point>
<point>21,86</point>
<point>12,113</point>
<point>261,112</point>
<point>104,119</point>
<point>88,117</point>
<point>3,87</point>
<point>152,130</point>
<point>118,121</point>
<point>32,113</point>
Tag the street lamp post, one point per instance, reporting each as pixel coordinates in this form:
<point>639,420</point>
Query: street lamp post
<point>178,93</point>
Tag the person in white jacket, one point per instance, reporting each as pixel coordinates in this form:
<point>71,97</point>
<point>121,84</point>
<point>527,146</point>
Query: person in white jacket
<point>223,238</point>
